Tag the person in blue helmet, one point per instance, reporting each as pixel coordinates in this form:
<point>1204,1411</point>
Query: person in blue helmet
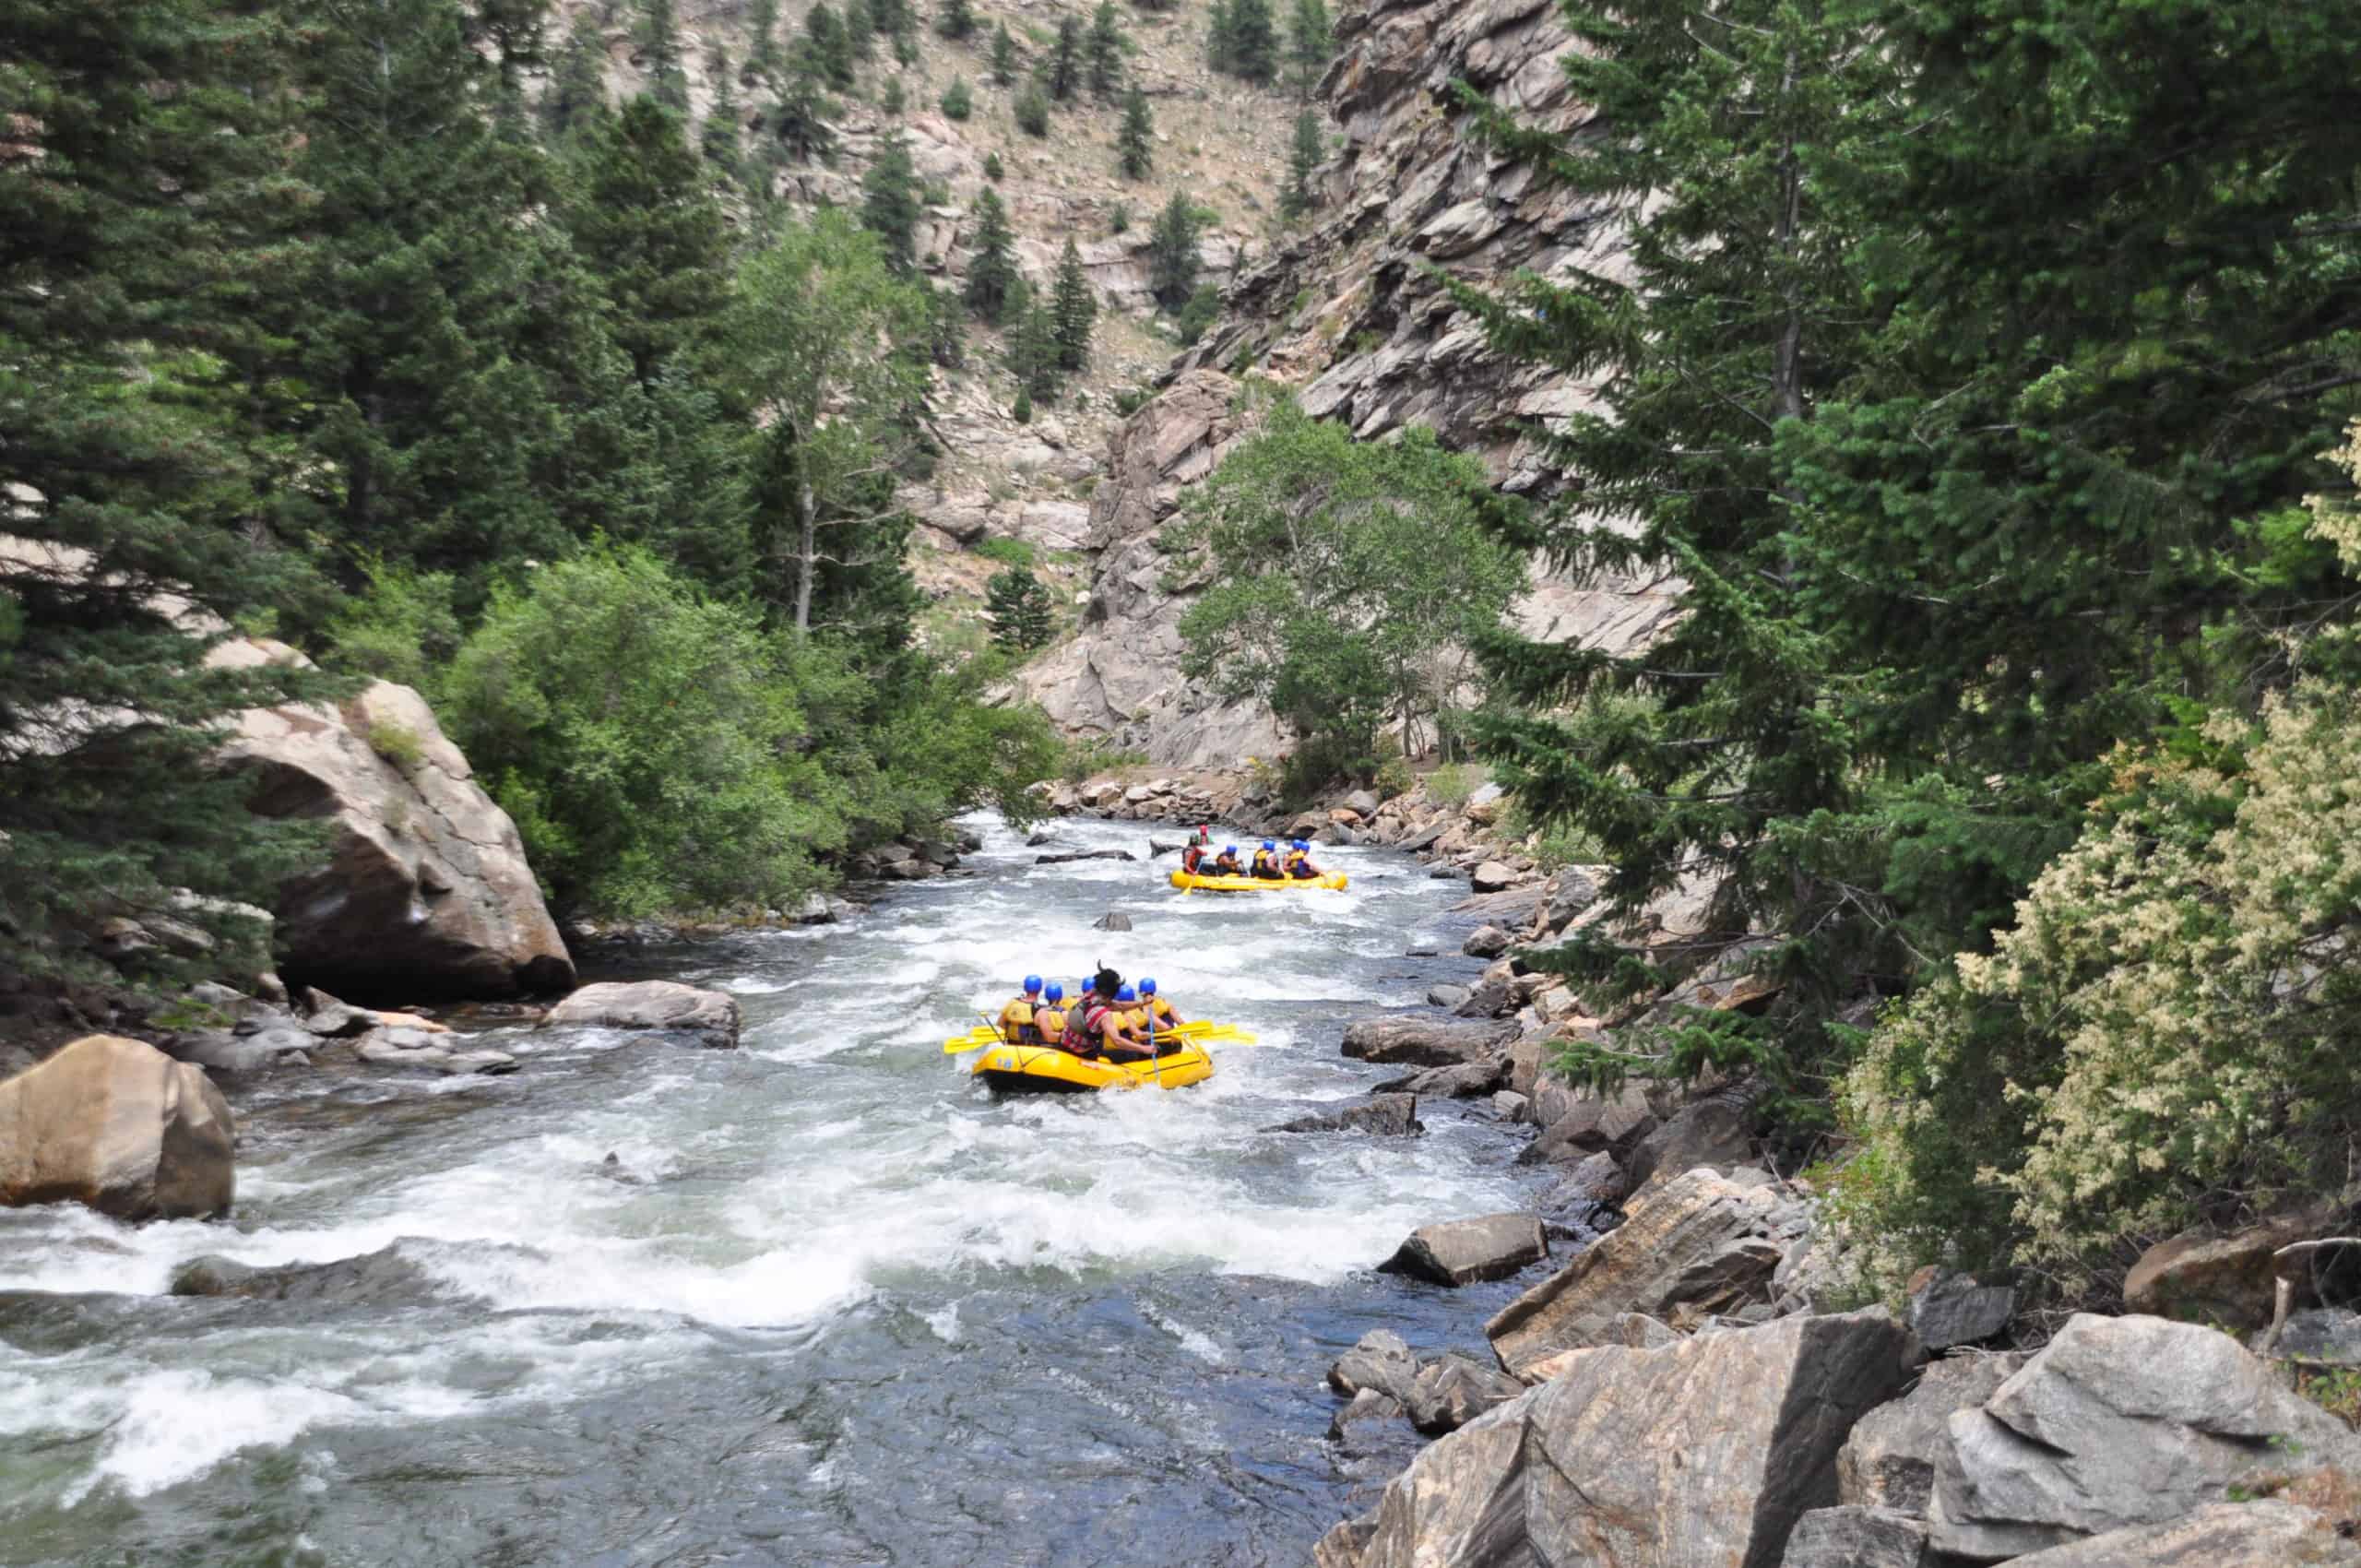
<point>1016,1018</point>
<point>1298,860</point>
<point>1226,863</point>
<point>1266,861</point>
<point>1160,1013</point>
<point>1049,1017</point>
<point>1101,1025</point>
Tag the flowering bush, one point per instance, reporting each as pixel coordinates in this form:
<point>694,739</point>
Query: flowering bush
<point>2169,1030</point>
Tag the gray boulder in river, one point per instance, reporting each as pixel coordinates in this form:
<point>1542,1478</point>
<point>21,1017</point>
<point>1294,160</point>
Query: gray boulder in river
<point>710,1017</point>
<point>118,1125</point>
<point>425,889</point>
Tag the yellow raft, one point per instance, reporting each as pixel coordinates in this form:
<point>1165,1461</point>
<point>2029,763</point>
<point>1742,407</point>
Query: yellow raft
<point>1332,880</point>
<point>1044,1069</point>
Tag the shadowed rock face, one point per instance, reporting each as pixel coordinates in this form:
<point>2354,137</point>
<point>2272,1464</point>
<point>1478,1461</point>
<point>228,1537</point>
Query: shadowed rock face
<point>426,891</point>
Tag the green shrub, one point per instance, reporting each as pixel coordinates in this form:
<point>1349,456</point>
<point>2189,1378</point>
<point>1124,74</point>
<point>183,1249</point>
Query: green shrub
<point>1203,306</point>
<point>1022,412</point>
<point>1033,110</point>
<point>401,629</point>
<point>992,170</point>
<point>1452,783</point>
<point>1007,551</point>
<point>892,101</point>
<point>1129,400</point>
<point>397,744</point>
<point>957,102</point>
<point>1119,218</point>
<point>1393,778</point>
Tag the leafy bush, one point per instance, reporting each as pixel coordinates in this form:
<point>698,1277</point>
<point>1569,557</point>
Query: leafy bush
<point>1033,110</point>
<point>1393,778</point>
<point>992,170</point>
<point>1119,218</point>
<point>401,629</point>
<point>397,744</point>
<point>1007,551</point>
<point>957,102</point>
<point>1203,304</point>
<point>1452,783</point>
<point>1022,412</point>
<point>1129,400</point>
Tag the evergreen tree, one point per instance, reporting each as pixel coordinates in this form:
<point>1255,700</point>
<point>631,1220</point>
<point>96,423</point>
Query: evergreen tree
<point>1033,110</point>
<point>956,19</point>
<point>991,167</point>
<point>947,328</point>
<point>861,33</point>
<point>1033,344</point>
<point>1022,410</point>
<point>797,118</point>
<point>1305,155</point>
<point>1736,313</point>
<point>117,285</point>
<point>892,100</point>
<point>1221,36</point>
<point>1019,606</point>
<point>1073,309</point>
<point>890,15</point>
<point>992,265</point>
<point>653,233</point>
<point>889,205</point>
<point>1106,53</point>
<point>717,139</point>
<point>1311,43</point>
<point>1004,55</point>
<point>827,47</point>
<point>1253,41</point>
<point>957,104</point>
<point>659,41</point>
<point>762,49</point>
<point>1063,72</point>
<point>1172,258</point>
<point>577,87</point>
<point>905,41</point>
<point>1136,143</point>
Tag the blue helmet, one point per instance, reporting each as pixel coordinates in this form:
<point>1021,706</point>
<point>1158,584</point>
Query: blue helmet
<point>1302,844</point>
<point>1147,987</point>
<point>1032,984</point>
<point>1055,991</point>
<point>1126,994</point>
<point>1229,848</point>
<point>1268,844</point>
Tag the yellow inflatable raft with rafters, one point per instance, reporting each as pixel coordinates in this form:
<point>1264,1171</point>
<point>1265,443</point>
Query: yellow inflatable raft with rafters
<point>1335,880</point>
<point>1044,1069</point>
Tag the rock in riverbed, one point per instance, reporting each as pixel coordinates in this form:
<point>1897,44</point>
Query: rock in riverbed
<point>1464,1252</point>
<point>1421,1042</point>
<point>710,1017</point>
<point>116,1124</point>
<point>1380,1360</point>
<point>373,1278</point>
<point>1384,1115</point>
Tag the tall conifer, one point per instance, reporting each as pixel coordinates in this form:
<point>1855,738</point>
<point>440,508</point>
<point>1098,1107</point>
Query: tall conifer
<point>1106,52</point>
<point>889,202</point>
<point>1136,143</point>
<point>1073,309</point>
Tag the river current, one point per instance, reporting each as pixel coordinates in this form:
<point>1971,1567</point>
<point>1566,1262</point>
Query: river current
<point>830,1303</point>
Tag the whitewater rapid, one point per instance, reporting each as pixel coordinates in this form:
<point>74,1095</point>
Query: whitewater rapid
<point>829,1302</point>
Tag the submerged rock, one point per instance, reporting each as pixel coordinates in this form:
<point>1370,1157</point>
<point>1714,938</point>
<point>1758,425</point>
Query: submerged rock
<point>117,1125</point>
<point>373,1278</point>
<point>710,1017</point>
<point>1385,1115</point>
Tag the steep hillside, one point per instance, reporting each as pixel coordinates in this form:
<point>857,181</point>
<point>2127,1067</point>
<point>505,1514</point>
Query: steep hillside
<point>1350,313</point>
<point>1221,140</point>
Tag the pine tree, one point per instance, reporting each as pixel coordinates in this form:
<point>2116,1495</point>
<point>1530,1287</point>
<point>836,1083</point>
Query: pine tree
<point>1063,73</point>
<point>652,233</point>
<point>892,100</point>
<point>1073,309</point>
<point>717,139</point>
<point>659,41</point>
<point>761,50</point>
<point>1019,606</point>
<point>905,41</point>
<point>824,32</point>
<point>957,104</point>
<point>799,116</point>
<point>992,265</point>
<point>108,452</point>
<point>1033,344</point>
<point>946,329</point>
<point>1253,41</point>
<point>1106,52</point>
<point>861,34</point>
<point>889,205</point>
<point>956,19</point>
<point>577,87</point>
<point>1136,143</point>
<point>1172,257</point>
<point>1305,155</point>
<point>1004,55</point>
<point>1221,36</point>
<point>890,15</point>
<point>1022,410</point>
<point>1311,43</point>
<point>1033,110</point>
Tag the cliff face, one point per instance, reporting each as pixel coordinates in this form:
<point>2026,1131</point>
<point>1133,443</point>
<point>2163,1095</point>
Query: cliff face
<point>1352,316</point>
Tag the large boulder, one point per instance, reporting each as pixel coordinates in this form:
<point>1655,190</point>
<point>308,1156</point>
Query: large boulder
<point>2222,1279</point>
<point>118,1125</point>
<point>426,890</point>
<point>1947,1309</point>
<point>1380,1359</point>
<point>1466,1251</point>
<point>1700,1244</point>
<point>1701,1452</point>
<point>1716,1129</point>
<point>2266,1534</point>
<point>1857,1537</point>
<point>710,1017</point>
<point>1888,1462</point>
<point>2121,1422</point>
<point>1421,1041</point>
<point>1582,1124</point>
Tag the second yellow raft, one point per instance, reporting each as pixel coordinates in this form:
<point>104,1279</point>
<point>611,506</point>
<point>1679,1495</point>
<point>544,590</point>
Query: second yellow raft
<point>1044,1069</point>
<point>1332,880</point>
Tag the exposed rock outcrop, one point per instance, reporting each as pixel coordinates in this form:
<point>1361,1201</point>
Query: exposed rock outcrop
<point>426,890</point>
<point>118,1125</point>
<point>1421,1042</point>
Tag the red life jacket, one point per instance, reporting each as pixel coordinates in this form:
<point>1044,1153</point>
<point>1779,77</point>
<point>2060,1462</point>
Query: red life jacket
<point>1192,857</point>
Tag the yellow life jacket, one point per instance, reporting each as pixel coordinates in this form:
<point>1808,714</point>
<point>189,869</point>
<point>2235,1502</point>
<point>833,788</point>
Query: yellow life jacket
<point>1048,1025</point>
<point>1016,1022</point>
<point>1160,1010</point>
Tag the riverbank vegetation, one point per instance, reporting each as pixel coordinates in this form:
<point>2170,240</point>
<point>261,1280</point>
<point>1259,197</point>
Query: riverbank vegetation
<point>312,327</point>
<point>1971,365</point>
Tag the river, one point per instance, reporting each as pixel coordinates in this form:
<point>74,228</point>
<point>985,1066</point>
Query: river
<point>830,1304</point>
